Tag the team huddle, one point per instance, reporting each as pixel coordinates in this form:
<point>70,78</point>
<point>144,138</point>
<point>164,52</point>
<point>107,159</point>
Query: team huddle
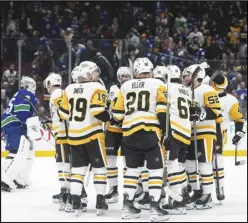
<point>169,126</point>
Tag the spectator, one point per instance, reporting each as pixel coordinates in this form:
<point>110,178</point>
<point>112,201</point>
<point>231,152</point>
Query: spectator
<point>196,37</point>
<point>180,22</point>
<point>11,72</point>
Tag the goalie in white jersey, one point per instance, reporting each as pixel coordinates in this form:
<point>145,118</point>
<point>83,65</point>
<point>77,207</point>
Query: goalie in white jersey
<point>141,107</point>
<point>231,112</point>
<point>179,99</point>
<point>113,137</point>
<point>206,112</point>
<point>83,105</point>
<point>53,85</point>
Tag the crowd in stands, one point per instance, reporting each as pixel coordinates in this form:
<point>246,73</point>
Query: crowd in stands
<point>109,33</point>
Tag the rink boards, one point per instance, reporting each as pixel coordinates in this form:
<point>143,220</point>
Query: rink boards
<point>44,147</point>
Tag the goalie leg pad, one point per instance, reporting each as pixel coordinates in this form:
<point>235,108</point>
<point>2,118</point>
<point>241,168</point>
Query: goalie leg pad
<point>23,177</point>
<point>15,162</point>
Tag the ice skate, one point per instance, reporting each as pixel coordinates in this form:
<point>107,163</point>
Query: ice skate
<point>190,204</point>
<point>19,186</point>
<point>68,205</point>
<point>63,198</point>
<point>128,209</point>
<point>112,196</point>
<point>101,205</point>
<point>144,203</point>
<point>139,195</point>
<point>5,187</point>
<point>77,206</point>
<point>56,197</point>
<point>204,202</point>
<point>156,213</point>
<point>175,207</point>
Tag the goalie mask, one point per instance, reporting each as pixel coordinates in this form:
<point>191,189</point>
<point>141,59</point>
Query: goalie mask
<point>29,84</point>
<point>124,74</point>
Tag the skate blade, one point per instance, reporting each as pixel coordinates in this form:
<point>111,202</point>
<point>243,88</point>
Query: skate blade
<point>112,200</point>
<point>127,215</point>
<point>203,207</point>
<point>78,213</point>
<point>143,206</point>
<point>158,218</point>
<point>176,211</point>
<point>56,201</point>
<point>100,212</point>
<point>62,207</point>
<point>68,208</point>
<point>190,207</point>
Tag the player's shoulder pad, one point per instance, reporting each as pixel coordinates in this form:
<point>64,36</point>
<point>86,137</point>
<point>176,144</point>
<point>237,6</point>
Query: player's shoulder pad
<point>57,93</point>
<point>97,85</point>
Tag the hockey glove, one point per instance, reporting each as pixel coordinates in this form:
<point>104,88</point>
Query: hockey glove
<point>238,136</point>
<point>46,124</point>
<point>165,141</point>
<point>115,122</point>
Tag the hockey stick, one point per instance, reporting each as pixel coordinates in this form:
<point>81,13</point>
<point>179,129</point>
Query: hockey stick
<point>88,175</point>
<point>167,190</point>
<point>194,130</point>
<point>241,162</point>
<point>217,172</point>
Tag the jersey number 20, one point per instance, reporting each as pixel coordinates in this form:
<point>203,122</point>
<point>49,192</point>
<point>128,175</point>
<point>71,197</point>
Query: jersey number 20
<point>138,102</point>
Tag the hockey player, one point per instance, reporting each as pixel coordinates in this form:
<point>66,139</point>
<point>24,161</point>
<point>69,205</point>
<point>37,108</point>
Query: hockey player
<point>160,72</point>
<point>16,125</point>
<point>179,98</point>
<point>231,112</point>
<point>113,137</point>
<point>141,105</point>
<point>53,85</point>
<point>185,77</point>
<point>83,105</point>
<point>205,110</point>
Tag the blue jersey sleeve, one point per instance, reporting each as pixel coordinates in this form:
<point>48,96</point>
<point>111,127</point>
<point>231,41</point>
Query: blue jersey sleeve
<point>22,108</point>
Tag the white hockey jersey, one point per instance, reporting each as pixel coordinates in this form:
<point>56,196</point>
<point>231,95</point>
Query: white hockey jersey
<point>112,97</point>
<point>179,98</point>
<point>80,104</point>
<point>58,125</point>
<point>138,103</point>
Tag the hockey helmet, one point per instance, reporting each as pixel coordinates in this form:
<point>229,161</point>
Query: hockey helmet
<point>141,66</point>
<point>124,74</point>
<point>29,84</point>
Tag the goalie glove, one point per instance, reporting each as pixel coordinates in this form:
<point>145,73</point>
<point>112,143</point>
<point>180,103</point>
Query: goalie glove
<point>238,136</point>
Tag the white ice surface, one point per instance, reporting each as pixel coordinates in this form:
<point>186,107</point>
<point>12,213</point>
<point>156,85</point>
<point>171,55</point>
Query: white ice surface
<point>35,203</point>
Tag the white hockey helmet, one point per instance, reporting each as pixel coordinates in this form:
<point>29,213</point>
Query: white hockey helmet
<point>201,74</point>
<point>53,79</point>
<point>75,73</point>
<point>160,72</point>
<point>173,71</point>
<point>89,71</point>
<point>142,65</point>
<point>29,84</point>
<point>124,74</point>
